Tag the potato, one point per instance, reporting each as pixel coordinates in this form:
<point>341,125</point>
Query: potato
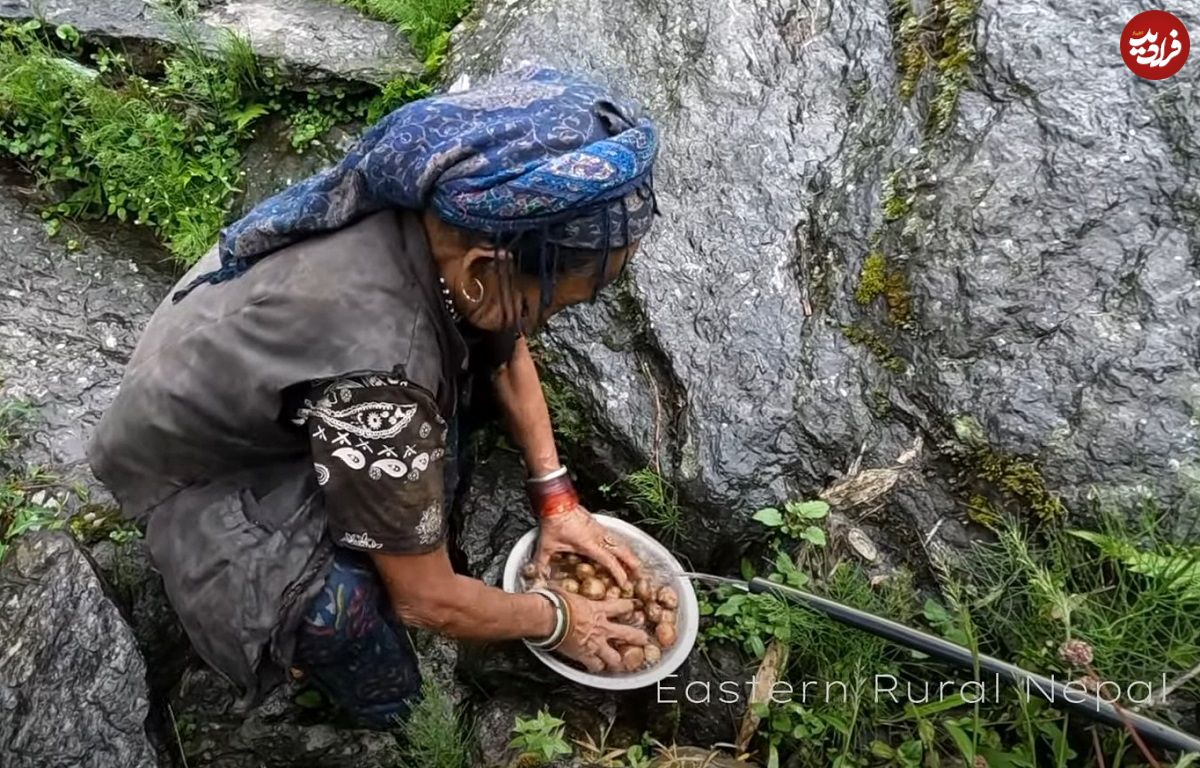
<point>612,593</point>
<point>529,570</point>
<point>668,617</point>
<point>668,598</point>
<point>585,571</point>
<point>607,578</point>
<point>638,619</point>
<point>654,613</point>
<point>652,653</point>
<point>570,585</point>
<point>665,634</point>
<point>627,591</point>
<point>644,590</point>
<point>572,559</point>
<point>633,658</point>
<point>592,589</point>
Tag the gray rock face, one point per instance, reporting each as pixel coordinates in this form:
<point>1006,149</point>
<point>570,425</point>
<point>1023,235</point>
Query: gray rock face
<point>1048,239</point>
<point>495,514</point>
<point>72,684</point>
<point>312,41</point>
<point>137,588</point>
<point>270,163</point>
<point>275,734</point>
<point>68,321</point>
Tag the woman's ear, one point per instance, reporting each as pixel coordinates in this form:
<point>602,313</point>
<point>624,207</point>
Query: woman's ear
<point>480,263</point>
<point>484,281</point>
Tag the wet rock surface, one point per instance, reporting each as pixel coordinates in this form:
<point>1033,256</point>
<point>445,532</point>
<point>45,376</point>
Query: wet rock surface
<point>270,163</point>
<point>1042,333</point>
<point>69,320</point>
<point>138,590</point>
<point>312,41</point>
<point>215,733</point>
<point>72,683</point>
<point>495,513</point>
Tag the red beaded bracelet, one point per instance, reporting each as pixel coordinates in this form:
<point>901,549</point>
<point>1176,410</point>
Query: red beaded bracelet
<point>552,497</point>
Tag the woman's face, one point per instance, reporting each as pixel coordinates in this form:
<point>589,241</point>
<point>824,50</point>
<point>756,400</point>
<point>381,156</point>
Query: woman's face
<point>490,296</point>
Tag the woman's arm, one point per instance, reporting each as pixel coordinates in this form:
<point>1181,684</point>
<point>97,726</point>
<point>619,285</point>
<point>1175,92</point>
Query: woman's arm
<point>426,592</point>
<point>519,390</point>
<point>525,414</point>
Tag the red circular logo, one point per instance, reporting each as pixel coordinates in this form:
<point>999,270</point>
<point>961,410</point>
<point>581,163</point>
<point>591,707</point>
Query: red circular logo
<point>1154,44</point>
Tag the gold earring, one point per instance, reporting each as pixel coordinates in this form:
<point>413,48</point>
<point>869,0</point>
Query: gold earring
<point>474,299</point>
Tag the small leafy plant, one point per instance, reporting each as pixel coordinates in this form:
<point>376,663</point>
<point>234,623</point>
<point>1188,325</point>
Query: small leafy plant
<point>797,520</point>
<point>22,508</point>
<point>540,737</point>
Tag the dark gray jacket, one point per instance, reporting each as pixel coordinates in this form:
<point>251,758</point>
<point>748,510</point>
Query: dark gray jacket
<point>198,447</point>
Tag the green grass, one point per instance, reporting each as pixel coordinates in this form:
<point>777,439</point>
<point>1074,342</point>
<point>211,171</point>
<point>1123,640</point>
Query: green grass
<point>655,500</point>
<point>29,495</point>
<point>20,513</point>
<point>567,413</point>
<point>19,487</point>
<point>14,416</point>
<point>162,154</point>
<point>1123,588</point>
<point>165,152</point>
<point>426,23</point>
<point>435,735</point>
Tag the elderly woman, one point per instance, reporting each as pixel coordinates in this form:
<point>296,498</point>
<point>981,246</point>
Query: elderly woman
<point>289,426</point>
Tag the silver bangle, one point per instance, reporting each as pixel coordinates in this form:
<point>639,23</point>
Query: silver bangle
<point>549,475</point>
<point>560,621</point>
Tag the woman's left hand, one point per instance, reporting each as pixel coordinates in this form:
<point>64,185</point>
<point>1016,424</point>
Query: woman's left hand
<point>575,530</point>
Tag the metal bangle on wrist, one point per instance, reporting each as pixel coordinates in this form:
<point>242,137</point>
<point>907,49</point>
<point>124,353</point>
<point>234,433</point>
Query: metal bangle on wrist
<point>552,494</point>
<point>552,474</point>
<point>562,621</point>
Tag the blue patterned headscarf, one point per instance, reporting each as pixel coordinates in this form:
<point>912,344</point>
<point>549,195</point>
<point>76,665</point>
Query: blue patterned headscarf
<point>532,150</point>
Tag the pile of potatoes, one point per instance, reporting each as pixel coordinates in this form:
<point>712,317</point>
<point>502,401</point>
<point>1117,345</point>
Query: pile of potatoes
<point>654,606</point>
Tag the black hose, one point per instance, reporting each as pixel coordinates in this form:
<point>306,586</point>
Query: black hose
<point>1091,707</point>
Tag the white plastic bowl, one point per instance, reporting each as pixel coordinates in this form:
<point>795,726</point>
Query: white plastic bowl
<point>660,565</point>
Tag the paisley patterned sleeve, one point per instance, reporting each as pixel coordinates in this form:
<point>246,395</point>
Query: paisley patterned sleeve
<point>378,444</point>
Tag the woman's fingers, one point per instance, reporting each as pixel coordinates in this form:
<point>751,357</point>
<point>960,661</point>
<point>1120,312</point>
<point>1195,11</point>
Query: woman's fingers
<point>592,663</point>
<point>610,563</point>
<point>613,608</point>
<point>542,559</point>
<point>631,561</point>
<point>609,655</point>
<point>627,634</point>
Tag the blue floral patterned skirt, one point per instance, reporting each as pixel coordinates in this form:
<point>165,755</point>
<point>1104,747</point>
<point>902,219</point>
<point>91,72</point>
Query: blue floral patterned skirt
<point>353,650</point>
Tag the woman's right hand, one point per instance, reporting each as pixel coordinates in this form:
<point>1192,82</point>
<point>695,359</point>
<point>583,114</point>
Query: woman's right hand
<point>594,629</point>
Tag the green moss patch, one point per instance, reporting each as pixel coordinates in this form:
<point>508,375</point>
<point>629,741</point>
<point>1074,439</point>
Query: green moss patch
<point>1016,477</point>
<point>873,343</point>
<point>876,279</point>
<point>941,40</point>
<point>1020,479</point>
